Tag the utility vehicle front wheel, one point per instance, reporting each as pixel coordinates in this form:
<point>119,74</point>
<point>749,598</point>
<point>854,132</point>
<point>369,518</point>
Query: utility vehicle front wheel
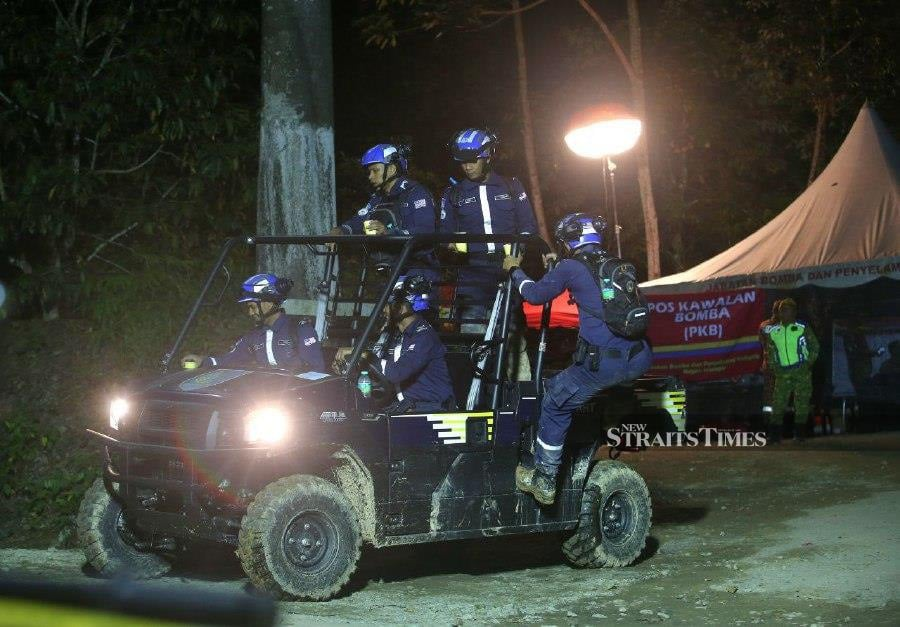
<point>615,518</point>
<point>108,543</point>
<point>300,539</point>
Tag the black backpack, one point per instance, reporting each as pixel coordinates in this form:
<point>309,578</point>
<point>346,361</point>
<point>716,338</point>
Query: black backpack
<point>625,309</point>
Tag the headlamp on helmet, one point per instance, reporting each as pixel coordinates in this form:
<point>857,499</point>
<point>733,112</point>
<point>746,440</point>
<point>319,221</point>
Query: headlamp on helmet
<point>387,154</point>
<point>413,289</point>
<point>265,288</point>
<point>579,229</point>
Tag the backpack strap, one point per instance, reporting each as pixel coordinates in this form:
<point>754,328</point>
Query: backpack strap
<point>593,269</point>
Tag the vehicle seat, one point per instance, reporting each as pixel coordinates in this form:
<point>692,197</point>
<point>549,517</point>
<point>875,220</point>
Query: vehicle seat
<point>461,372</point>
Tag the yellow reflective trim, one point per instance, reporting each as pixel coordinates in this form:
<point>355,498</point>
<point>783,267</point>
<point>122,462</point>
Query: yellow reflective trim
<point>23,613</point>
<point>454,424</point>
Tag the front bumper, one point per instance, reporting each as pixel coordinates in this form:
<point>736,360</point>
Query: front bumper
<point>184,493</point>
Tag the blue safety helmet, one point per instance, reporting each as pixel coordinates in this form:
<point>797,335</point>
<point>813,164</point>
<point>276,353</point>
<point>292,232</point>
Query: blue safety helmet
<point>472,144</point>
<point>414,289</point>
<point>579,229</point>
<point>386,154</point>
<point>265,288</point>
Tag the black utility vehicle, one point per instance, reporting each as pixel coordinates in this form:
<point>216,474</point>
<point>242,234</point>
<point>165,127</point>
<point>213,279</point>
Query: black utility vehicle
<point>296,470</point>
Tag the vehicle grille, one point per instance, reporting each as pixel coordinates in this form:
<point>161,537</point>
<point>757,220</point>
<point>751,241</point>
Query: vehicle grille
<point>175,424</point>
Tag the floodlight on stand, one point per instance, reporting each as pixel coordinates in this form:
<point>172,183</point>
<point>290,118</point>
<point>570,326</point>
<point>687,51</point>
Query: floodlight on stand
<point>603,131</point>
<point>598,133</point>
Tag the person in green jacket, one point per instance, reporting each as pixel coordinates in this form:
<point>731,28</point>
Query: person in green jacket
<point>792,350</point>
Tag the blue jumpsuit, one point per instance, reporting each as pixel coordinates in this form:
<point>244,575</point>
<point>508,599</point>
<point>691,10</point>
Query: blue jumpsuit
<point>413,206</point>
<point>621,359</point>
<point>285,344</point>
<point>498,205</point>
<point>415,363</point>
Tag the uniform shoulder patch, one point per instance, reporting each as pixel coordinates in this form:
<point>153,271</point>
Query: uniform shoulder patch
<point>420,203</point>
<point>422,327</point>
<point>363,211</point>
<point>309,341</point>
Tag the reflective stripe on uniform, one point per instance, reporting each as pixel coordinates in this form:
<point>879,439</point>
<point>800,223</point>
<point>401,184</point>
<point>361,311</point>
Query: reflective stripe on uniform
<point>548,446</point>
<point>486,215</point>
<point>214,362</point>
<point>270,355</point>
<point>398,349</point>
<point>522,284</point>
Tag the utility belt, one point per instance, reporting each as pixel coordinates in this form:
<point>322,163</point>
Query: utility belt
<point>799,364</point>
<point>585,352</point>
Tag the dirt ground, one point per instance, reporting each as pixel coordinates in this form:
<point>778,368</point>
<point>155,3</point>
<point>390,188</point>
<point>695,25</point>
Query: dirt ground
<point>795,534</point>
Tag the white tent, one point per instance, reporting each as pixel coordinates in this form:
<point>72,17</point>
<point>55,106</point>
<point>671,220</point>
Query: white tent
<point>843,230</point>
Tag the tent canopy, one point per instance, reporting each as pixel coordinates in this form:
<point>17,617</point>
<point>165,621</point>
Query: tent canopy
<point>843,230</point>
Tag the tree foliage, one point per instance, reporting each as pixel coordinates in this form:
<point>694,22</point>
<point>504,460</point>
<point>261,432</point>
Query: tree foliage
<point>115,114</point>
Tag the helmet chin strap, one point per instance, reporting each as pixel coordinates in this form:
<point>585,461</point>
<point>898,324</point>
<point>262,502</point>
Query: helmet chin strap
<point>262,319</point>
<point>384,177</point>
<point>396,318</point>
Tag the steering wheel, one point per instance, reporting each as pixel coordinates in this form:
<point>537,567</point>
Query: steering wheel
<point>480,350</point>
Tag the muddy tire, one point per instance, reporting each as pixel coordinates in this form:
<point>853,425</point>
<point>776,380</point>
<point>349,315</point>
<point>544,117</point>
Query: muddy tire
<point>300,539</point>
<point>615,518</point>
<point>104,538</point>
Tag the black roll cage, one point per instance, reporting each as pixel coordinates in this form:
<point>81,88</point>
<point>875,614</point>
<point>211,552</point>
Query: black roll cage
<point>410,244</point>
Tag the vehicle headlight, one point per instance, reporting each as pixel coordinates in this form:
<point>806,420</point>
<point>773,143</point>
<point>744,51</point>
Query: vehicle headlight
<point>266,425</point>
<point>118,409</point>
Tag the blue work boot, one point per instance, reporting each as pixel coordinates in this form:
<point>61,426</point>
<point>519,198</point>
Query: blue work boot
<point>537,482</point>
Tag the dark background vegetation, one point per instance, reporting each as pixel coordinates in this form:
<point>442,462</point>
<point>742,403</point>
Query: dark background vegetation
<point>128,152</point>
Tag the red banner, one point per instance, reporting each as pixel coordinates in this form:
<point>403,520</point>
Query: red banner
<point>696,337</point>
<point>708,336</point>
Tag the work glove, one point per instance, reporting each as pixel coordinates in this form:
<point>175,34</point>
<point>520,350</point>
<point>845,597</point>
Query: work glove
<point>191,361</point>
<point>340,359</point>
<point>374,227</point>
<point>512,261</point>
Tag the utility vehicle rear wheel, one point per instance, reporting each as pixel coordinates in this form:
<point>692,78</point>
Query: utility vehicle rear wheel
<point>300,539</point>
<point>108,543</point>
<point>615,518</point>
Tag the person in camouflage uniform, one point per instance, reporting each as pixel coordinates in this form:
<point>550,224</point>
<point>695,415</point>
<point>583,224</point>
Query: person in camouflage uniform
<point>792,350</point>
<point>765,367</point>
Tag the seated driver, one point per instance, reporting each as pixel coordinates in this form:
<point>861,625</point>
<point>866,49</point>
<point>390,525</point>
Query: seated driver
<point>409,354</point>
<point>278,341</point>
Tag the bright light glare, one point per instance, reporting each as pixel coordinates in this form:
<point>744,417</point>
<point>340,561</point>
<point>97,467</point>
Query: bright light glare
<point>267,425</point>
<point>605,138</point>
<point>118,408</point>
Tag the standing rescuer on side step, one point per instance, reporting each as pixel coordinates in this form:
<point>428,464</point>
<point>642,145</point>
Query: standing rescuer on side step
<point>612,318</point>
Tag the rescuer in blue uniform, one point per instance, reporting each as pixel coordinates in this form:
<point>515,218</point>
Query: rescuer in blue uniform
<point>278,341</point>
<point>398,206</point>
<point>409,354</point>
<point>606,359</point>
<point>483,202</point>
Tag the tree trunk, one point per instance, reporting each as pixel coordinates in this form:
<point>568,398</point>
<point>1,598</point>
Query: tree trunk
<point>534,181</point>
<point>821,119</point>
<point>651,226</point>
<point>296,138</point>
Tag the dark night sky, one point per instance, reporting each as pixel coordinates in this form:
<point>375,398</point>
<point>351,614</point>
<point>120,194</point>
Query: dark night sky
<point>425,89</point>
